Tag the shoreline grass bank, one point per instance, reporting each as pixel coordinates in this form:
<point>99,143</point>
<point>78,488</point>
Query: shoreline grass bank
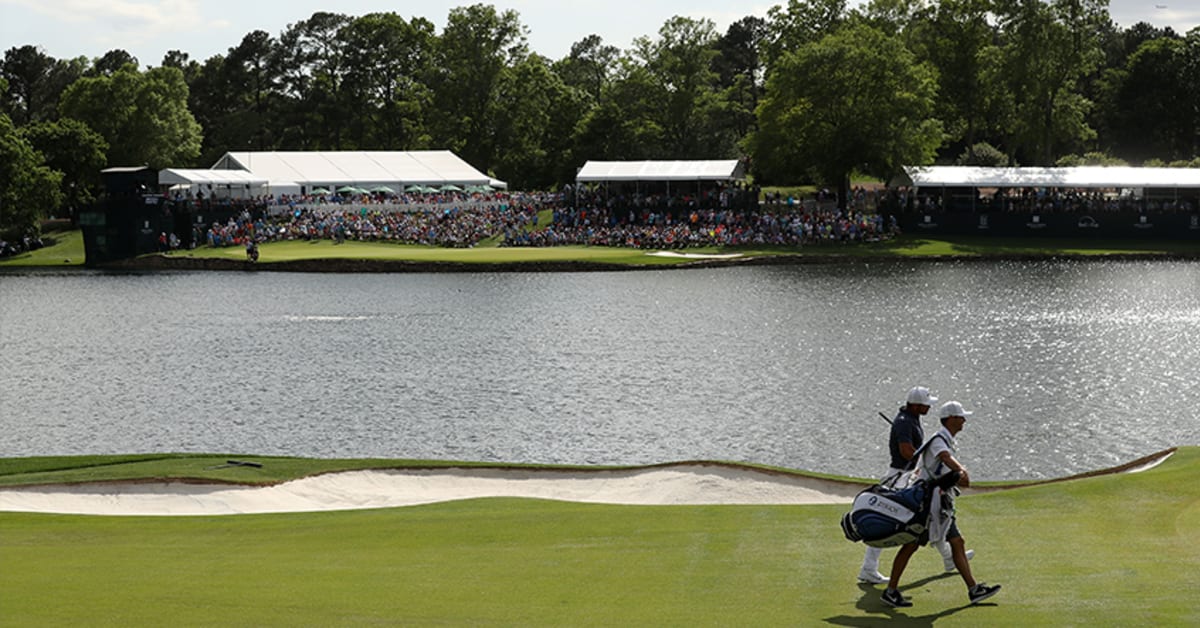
<point>325,256</point>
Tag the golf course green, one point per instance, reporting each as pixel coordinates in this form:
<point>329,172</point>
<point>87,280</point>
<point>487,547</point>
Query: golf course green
<point>1110,550</point>
<point>350,256</point>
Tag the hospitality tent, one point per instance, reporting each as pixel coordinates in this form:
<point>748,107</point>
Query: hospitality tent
<point>361,169</point>
<point>218,183</point>
<point>610,171</point>
<point>1080,177</point>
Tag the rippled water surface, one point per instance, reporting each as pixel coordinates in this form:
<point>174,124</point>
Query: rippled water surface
<point>1070,366</point>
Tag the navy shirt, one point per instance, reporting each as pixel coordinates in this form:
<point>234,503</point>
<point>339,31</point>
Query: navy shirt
<point>906,428</point>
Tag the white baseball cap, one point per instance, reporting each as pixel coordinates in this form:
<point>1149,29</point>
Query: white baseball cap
<point>920,396</point>
<point>952,408</point>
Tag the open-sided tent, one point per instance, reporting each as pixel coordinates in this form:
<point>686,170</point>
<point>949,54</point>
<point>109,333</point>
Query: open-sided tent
<point>1080,177</point>
<point>360,169</point>
<point>612,171</point>
<point>221,183</point>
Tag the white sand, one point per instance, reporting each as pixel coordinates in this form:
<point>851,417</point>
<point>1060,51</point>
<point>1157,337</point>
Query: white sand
<point>696,255</point>
<point>674,484</point>
<point>684,483</point>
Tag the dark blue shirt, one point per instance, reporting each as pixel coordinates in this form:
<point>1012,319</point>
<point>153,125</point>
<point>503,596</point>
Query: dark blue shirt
<point>906,428</point>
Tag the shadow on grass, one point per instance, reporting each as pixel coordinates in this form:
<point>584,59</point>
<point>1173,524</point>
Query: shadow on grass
<point>876,611</point>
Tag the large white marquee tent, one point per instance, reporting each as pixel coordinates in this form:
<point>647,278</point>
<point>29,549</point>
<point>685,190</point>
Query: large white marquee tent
<point>252,173</point>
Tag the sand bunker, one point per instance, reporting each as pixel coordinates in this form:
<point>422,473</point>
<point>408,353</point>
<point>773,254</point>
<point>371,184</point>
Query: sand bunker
<point>683,484</point>
<point>675,484</point>
<point>696,255</point>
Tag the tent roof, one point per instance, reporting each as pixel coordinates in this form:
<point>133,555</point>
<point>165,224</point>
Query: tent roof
<point>661,170</point>
<point>357,168</point>
<point>173,176</point>
<point>1076,177</point>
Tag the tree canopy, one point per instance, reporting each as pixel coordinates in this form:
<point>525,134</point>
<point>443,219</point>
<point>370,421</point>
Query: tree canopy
<point>813,91</point>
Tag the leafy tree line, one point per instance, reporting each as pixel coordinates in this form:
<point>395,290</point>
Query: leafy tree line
<point>809,94</point>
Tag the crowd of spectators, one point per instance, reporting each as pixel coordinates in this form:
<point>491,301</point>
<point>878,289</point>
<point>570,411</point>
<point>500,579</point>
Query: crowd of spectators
<point>648,221</point>
<point>448,226</point>
<point>667,229</point>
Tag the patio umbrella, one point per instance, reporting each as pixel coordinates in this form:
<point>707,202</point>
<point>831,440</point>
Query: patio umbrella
<point>382,189</point>
<point>319,191</point>
<point>347,189</point>
<point>450,187</point>
<point>414,188</point>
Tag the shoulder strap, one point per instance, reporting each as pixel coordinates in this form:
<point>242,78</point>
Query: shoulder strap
<point>912,462</point>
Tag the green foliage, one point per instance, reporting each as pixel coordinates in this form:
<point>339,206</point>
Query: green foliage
<point>855,100</point>
<point>1091,159</point>
<point>983,154</point>
<point>29,190</point>
<point>75,150</point>
<point>1034,79</point>
<point>142,115</point>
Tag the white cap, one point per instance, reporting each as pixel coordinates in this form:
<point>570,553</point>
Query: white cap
<point>952,408</point>
<point>920,396</point>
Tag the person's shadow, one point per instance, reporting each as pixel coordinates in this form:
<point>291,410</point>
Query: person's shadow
<point>878,612</point>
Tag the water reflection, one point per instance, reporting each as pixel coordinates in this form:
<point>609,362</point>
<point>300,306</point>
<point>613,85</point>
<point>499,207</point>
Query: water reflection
<point>1069,365</point>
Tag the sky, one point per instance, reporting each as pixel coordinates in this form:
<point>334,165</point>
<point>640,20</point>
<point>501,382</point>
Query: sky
<point>147,29</point>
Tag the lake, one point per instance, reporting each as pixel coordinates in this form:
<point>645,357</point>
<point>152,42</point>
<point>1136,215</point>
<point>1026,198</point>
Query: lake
<point>1069,365</point>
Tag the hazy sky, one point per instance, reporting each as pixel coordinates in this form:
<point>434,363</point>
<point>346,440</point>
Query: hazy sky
<point>202,28</point>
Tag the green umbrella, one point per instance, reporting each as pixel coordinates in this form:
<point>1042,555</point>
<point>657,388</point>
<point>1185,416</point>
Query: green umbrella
<point>414,188</point>
<point>319,191</point>
<point>450,187</point>
<point>383,189</point>
<point>347,189</point>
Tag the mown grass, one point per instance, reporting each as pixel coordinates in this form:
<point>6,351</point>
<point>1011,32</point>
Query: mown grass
<point>66,250</point>
<point>1116,550</point>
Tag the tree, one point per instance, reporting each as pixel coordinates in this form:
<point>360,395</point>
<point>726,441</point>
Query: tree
<point>958,40</point>
<point>387,63</point>
<point>1049,49</point>
<point>475,48</point>
<point>1147,116</point>
<point>35,83</point>
<point>311,66</point>
<point>740,71</point>
<point>74,150</point>
<point>801,22</point>
<point>29,189</point>
<point>589,66</point>
<point>856,100</point>
<point>112,61</point>
<point>690,109</point>
<point>142,115</point>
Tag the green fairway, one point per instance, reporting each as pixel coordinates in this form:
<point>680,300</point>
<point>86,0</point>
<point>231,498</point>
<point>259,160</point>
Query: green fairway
<point>1114,550</point>
<point>66,250</point>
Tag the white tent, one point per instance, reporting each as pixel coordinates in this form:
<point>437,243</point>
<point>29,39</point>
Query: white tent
<point>364,169</point>
<point>1102,177</point>
<point>221,183</point>
<point>599,171</point>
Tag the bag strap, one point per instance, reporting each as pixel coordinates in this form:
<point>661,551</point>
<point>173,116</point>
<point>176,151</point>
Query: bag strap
<point>916,457</point>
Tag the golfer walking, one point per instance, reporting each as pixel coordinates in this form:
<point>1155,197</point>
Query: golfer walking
<point>937,460</point>
<point>905,438</point>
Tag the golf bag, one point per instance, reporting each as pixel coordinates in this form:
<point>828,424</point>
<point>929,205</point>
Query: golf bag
<point>887,517</point>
